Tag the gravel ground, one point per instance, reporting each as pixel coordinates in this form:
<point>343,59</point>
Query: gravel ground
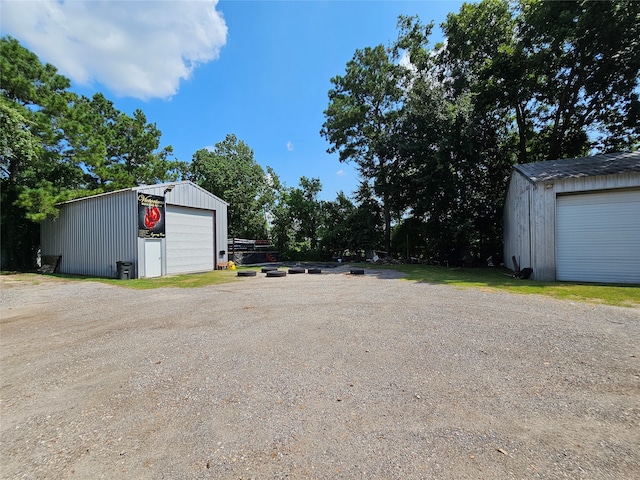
<point>314,376</point>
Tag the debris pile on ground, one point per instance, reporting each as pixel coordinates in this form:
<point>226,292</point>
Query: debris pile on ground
<point>385,261</point>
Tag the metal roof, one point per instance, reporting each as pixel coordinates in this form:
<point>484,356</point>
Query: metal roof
<point>160,186</point>
<point>604,164</point>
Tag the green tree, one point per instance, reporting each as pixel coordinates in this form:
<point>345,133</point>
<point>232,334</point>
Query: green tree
<point>231,172</point>
<point>117,150</point>
<point>281,228</point>
<point>337,234</point>
<point>18,147</point>
<point>586,56</point>
<point>36,172</point>
<point>367,222</point>
<point>306,211</point>
<point>350,227</point>
<point>296,218</point>
<point>565,74</point>
<point>17,142</point>
<point>362,118</point>
<point>455,152</point>
<point>484,58</point>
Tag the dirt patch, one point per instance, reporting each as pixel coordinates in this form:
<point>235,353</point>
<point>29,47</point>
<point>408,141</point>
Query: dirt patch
<point>314,376</point>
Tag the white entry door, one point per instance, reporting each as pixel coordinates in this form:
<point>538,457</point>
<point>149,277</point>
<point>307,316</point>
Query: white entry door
<point>152,258</point>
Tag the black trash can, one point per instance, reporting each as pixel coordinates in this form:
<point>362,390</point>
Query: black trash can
<point>125,270</point>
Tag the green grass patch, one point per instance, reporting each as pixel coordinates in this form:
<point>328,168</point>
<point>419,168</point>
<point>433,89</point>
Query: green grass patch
<point>192,280</point>
<point>493,278</point>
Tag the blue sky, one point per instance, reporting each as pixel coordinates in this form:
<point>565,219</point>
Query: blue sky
<point>201,69</point>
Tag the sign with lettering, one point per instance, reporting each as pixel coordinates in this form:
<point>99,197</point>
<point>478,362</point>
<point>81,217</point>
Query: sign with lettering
<point>150,216</point>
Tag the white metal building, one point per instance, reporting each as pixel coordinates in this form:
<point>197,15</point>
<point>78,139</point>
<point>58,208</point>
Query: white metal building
<point>159,229</point>
<point>576,219</point>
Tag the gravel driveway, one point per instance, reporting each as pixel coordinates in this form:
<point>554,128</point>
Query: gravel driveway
<point>314,376</point>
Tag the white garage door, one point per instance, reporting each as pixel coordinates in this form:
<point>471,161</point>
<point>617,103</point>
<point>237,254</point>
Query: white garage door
<point>189,240</point>
<point>598,237</point>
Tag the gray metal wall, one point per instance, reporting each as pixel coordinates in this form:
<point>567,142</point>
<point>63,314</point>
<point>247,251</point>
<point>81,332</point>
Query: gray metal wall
<point>517,239</point>
<point>94,233</point>
<point>530,217</point>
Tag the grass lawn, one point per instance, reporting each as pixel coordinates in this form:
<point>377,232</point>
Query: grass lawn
<point>493,278</point>
<point>194,280</point>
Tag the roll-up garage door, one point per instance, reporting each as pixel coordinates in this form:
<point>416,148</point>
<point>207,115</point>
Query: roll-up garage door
<point>189,240</point>
<point>598,237</point>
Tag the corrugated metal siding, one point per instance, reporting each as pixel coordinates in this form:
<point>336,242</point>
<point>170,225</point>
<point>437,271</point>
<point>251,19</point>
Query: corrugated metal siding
<point>93,234</point>
<point>600,182</point>
<point>516,221</point>
<point>598,237</point>
<point>543,232</point>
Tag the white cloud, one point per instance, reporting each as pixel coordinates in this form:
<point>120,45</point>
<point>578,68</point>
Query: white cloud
<point>289,146</point>
<point>340,172</point>
<point>133,47</point>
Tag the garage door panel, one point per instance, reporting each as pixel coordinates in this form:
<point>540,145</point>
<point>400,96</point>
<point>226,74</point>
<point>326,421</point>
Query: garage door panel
<point>598,237</point>
<point>189,240</point>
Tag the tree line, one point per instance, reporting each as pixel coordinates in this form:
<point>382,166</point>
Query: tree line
<point>434,131</point>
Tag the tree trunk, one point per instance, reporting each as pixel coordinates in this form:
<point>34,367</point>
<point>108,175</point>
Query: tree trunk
<point>387,223</point>
<point>522,136</point>
<point>562,119</point>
